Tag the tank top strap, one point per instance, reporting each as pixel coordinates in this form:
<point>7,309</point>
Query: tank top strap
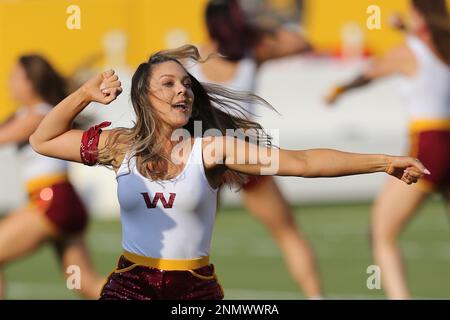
<point>124,167</point>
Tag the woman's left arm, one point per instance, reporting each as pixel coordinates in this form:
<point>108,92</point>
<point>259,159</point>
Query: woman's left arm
<point>335,163</point>
<point>251,159</point>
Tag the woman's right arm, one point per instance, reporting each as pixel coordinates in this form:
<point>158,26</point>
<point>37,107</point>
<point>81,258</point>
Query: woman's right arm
<point>54,136</point>
<point>399,60</point>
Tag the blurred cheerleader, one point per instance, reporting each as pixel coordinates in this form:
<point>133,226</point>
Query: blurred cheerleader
<point>424,63</point>
<point>55,213</point>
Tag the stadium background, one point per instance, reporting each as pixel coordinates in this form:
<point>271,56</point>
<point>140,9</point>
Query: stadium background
<point>333,213</point>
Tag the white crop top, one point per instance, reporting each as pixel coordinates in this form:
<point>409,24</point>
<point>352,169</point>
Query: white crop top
<point>171,219</point>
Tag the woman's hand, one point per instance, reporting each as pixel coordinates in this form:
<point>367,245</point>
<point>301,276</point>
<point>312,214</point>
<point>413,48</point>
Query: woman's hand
<point>334,94</point>
<point>407,169</point>
<point>103,88</point>
<point>396,21</point>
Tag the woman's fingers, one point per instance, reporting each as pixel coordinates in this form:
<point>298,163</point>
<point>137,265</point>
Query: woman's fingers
<point>333,95</point>
<point>408,179</point>
<point>418,165</point>
<point>407,169</point>
<point>414,172</point>
<point>110,79</point>
<point>110,82</point>
<point>108,73</point>
<point>330,98</point>
<point>113,84</point>
<point>103,88</point>
<point>112,91</point>
<point>412,175</point>
<point>110,94</point>
<point>110,86</point>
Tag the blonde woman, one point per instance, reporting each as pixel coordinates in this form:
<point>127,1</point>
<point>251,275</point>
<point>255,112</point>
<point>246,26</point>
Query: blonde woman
<point>168,199</point>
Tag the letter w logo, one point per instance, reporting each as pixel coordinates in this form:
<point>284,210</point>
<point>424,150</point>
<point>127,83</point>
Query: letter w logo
<point>158,196</point>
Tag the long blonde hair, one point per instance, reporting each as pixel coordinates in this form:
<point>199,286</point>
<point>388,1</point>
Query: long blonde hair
<point>215,106</point>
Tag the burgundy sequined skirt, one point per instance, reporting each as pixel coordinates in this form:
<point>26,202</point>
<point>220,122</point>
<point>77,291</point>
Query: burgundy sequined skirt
<point>131,281</point>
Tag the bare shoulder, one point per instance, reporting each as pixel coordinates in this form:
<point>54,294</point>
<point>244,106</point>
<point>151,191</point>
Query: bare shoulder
<point>402,51</point>
<point>117,143</point>
<point>404,57</point>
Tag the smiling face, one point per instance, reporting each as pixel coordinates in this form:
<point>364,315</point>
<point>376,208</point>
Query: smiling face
<point>171,93</point>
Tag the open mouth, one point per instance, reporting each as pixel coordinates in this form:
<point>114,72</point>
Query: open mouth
<point>182,106</point>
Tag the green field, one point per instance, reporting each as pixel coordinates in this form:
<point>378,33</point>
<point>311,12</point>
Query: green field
<point>249,264</point>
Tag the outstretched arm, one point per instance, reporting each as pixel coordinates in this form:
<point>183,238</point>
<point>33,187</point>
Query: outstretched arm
<point>54,136</point>
<point>334,163</point>
<point>248,158</point>
<point>281,43</point>
<point>17,130</point>
<point>398,61</point>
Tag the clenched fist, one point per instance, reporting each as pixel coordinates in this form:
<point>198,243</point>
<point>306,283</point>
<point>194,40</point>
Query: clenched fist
<point>103,88</point>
